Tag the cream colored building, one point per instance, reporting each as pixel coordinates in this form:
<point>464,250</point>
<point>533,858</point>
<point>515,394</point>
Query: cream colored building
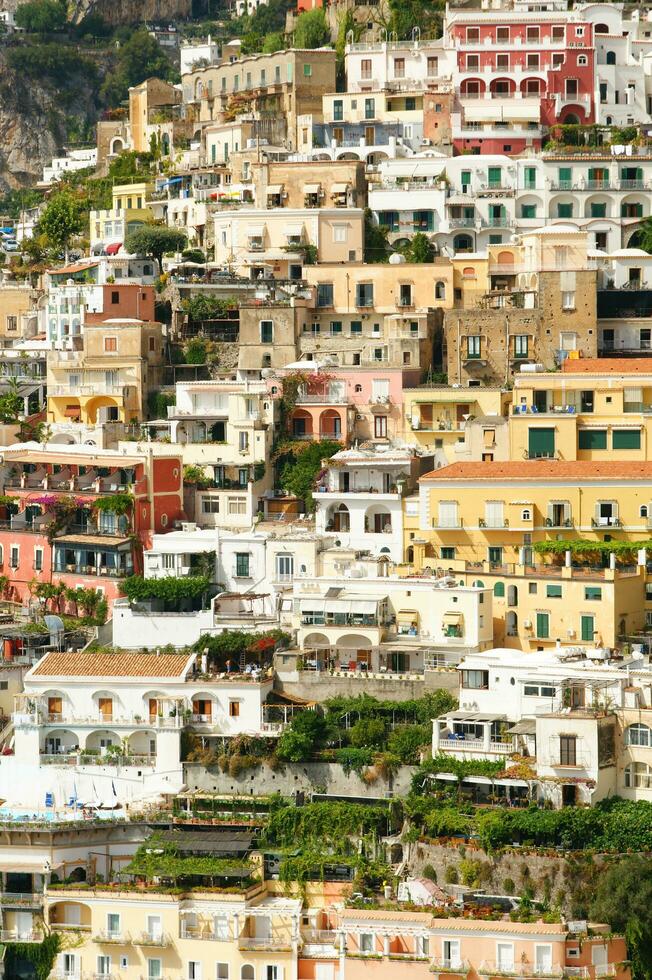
<point>461,423</point>
<point>109,379</point>
<point>259,243</point>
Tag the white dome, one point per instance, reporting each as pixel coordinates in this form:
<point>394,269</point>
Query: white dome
<point>396,258</point>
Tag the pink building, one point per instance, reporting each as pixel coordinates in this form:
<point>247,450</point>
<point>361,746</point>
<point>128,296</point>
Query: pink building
<point>542,59</point>
<point>347,404</point>
<point>383,944</point>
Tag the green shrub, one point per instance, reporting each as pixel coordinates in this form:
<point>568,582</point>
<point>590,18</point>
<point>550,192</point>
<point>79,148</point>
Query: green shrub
<point>368,733</point>
<point>429,872</point>
<point>508,886</point>
<point>451,876</point>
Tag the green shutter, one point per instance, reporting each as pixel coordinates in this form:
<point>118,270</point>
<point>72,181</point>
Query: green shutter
<point>592,439</point>
<point>466,178</point>
<point>626,439</point>
<point>528,210</point>
<point>598,210</point>
<point>564,210</point>
<point>565,176</point>
<point>499,590</point>
<point>592,592</point>
<point>587,626</point>
<point>553,591</point>
<point>541,442</point>
<point>543,626</point>
<point>530,177</point>
<point>495,176</point>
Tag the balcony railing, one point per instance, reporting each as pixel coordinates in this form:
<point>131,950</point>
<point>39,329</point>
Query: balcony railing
<point>108,938</point>
<point>152,939</point>
<point>21,898</point>
<point>491,969</point>
<point>14,936</point>
<point>449,966</point>
<point>253,943</point>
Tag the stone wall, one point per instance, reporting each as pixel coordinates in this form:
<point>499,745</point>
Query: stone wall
<point>402,687</point>
<point>310,777</point>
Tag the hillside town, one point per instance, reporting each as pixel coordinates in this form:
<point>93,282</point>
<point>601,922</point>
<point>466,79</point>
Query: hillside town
<point>326,493</point>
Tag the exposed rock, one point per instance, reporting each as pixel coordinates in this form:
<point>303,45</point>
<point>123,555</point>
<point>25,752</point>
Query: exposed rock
<point>131,11</point>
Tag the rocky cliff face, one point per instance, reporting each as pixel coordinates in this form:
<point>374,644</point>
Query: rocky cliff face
<point>117,12</point>
<point>34,122</point>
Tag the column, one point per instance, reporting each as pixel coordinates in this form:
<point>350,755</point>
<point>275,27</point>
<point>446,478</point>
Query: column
<point>486,737</point>
<point>385,945</point>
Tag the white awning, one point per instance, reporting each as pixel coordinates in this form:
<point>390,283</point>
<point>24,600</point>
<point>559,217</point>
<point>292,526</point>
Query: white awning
<point>511,782</point>
<point>453,619</point>
<point>317,603</point>
<point>274,189</point>
<point>311,188</point>
<point>339,188</point>
<point>293,230</point>
<point>479,780</point>
<point>255,231</point>
<point>448,777</point>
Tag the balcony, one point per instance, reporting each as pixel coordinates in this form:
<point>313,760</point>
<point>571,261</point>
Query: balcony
<point>159,939</point>
<point>251,944</point>
<point>105,938</point>
<point>322,398</point>
<point>448,524</point>
<point>490,969</point>
<point>606,522</point>
<point>22,899</point>
<point>197,932</point>
<point>457,744</point>
<point>461,967</point>
<point>491,524</point>
<point>13,936</point>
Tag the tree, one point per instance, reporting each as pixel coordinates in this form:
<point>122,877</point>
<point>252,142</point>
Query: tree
<point>368,733</point>
<point>311,29</point>
<point>60,220</point>
<point>273,42</point>
<point>41,16</point>
<point>623,898</point>
<point>645,235</point>
<point>140,57</point>
<point>11,403</point>
<point>155,240</point>
<point>420,249</point>
<point>298,475</point>
<point>376,248</point>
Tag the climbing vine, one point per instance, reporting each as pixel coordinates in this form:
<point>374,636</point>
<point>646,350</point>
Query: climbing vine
<point>40,956</point>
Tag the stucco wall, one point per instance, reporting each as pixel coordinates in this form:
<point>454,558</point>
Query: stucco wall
<point>311,777</point>
<point>316,687</point>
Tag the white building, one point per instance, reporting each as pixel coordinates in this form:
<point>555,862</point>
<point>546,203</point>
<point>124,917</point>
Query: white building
<point>196,53</point>
<point>583,719</point>
<point>360,497</point>
<point>73,160</point>
<point>101,725</point>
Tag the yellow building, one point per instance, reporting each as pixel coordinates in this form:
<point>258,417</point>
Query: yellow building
<point>464,423</point>
<point>594,408</point>
<point>128,212</point>
<point>109,379</point>
<point>483,522</point>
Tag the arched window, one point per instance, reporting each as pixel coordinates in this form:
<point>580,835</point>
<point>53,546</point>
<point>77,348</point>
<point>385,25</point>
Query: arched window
<point>611,57</point>
<point>526,515</point>
<point>468,272</point>
<point>642,511</point>
<point>440,290</point>
<point>638,775</point>
<point>358,389</point>
<point>478,584</point>
<point>582,61</point>
<point>499,589</point>
<point>601,29</point>
<point>638,734</point>
<point>511,624</point>
<point>247,972</point>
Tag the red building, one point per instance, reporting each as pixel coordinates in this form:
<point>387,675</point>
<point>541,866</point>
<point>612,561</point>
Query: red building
<point>82,517</point>
<point>544,62</point>
<point>128,301</point>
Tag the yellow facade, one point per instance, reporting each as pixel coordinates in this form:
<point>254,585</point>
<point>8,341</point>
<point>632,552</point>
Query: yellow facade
<point>442,418</point>
<point>110,378</point>
<point>129,210</point>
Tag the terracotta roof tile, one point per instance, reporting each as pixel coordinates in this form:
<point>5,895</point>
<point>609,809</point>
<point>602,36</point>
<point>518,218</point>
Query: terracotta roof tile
<point>111,665</point>
<point>389,915</point>
<point>608,365</point>
<point>452,925</point>
<point>543,469</point>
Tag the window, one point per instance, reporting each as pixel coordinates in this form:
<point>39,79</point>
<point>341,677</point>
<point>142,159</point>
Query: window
<point>338,110</point>
<point>380,426</point>
<point>499,590</point>
<point>307,71</point>
<point>366,942</point>
<point>638,734</point>
<point>364,294</point>
<point>325,294</point>
<point>638,776</point>
<point>365,68</point>
<point>495,555</point>
<point>528,210</point>
<point>221,971</point>
<point>448,554</point>
<point>370,108</point>
<point>115,296</point>
<point>553,591</point>
<point>626,439</point>
<point>473,347</point>
<point>568,299</point>
<point>110,345</point>
<point>154,971</point>
<point>247,972</point>
<point>12,323</point>
<point>564,210</point>
<point>521,342</point>
<point>539,691</point>
<point>451,953</point>
<point>210,505</point>
<point>592,439</point>
<point>242,564</point>
<point>234,709</point>
<point>194,970</point>
<point>432,66</point>
<point>14,556</point>
<point>152,343</point>
<point>266,331</point>
<point>541,443</point>
<point>567,750</point>
<point>356,326</point>
<point>243,441</point>
<point>475,680</point>
<point>543,625</point>
<point>236,506</point>
<point>340,233</point>
<point>592,593</point>
<point>38,559</point>
<point>336,327</point>
<point>113,924</point>
<point>399,67</point>
<point>284,568</point>
<point>103,966</point>
<point>587,628</point>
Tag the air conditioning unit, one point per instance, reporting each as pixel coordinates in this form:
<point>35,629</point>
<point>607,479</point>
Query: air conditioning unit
<point>426,142</point>
<point>527,623</point>
<point>185,569</point>
<point>359,418</point>
<point>188,526</point>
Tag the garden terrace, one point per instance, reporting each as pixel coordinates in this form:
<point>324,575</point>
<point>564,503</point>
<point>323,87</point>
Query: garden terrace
<point>29,470</point>
<point>186,864</point>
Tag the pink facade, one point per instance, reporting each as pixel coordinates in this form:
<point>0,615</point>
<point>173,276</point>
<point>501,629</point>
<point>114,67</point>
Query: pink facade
<point>519,60</point>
